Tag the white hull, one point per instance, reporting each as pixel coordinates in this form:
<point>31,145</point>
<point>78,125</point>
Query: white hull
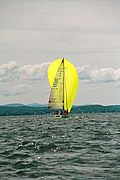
<point>57,116</point>
<point>60,116</point>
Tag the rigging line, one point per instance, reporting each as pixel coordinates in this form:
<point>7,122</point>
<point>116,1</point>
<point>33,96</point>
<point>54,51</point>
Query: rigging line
<point>66,94</point>
<point>61,68</point>
<point>64,87</point>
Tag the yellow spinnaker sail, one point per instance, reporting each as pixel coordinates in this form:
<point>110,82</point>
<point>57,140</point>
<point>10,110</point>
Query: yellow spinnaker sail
<point>70,81</point>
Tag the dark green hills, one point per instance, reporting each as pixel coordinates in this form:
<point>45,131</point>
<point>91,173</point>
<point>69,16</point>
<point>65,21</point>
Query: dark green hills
<point>37,109</point>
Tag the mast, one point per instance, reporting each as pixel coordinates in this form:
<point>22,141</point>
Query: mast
<point>64,88</point>
<point>63,82</point>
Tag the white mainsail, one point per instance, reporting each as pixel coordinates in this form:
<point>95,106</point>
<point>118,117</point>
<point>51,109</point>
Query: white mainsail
<point>56,100</point>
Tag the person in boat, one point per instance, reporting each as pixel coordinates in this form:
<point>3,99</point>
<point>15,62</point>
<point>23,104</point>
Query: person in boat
<point>61,112</point>
<point>57,112</point>
<point>66,112</point>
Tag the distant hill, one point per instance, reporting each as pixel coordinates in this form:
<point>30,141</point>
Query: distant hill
<point>37,105</point>
<point>20,104</point>
<point>13,105</point>
<point>37,109</point>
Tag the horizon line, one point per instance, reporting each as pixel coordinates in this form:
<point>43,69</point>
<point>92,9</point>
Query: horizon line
<point>13,103</point>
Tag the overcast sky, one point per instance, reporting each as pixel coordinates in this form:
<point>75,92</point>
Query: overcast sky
<point>34,33</point>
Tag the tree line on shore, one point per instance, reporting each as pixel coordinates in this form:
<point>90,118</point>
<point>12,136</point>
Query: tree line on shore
<point>27,110</point>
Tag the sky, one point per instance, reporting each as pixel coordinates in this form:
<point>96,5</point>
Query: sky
<point>33,33</point>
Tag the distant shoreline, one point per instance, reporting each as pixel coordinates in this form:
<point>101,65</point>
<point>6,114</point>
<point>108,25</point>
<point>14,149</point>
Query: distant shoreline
<point>20,109</point>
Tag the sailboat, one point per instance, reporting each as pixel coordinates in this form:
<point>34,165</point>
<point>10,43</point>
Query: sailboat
<point>63,79</point>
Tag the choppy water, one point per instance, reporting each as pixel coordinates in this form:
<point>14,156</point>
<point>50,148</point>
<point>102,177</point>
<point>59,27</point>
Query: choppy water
<point>80,147</point>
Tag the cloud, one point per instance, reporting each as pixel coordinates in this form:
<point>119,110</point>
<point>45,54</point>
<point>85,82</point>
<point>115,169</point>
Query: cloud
<point>12,71</point>
<point>36,72</point>
<point>9,72</point>
<point>17,90</point>
<point>98,75</point>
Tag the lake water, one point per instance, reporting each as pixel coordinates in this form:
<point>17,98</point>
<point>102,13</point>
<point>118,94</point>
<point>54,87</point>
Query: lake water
<point>83,146</point>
